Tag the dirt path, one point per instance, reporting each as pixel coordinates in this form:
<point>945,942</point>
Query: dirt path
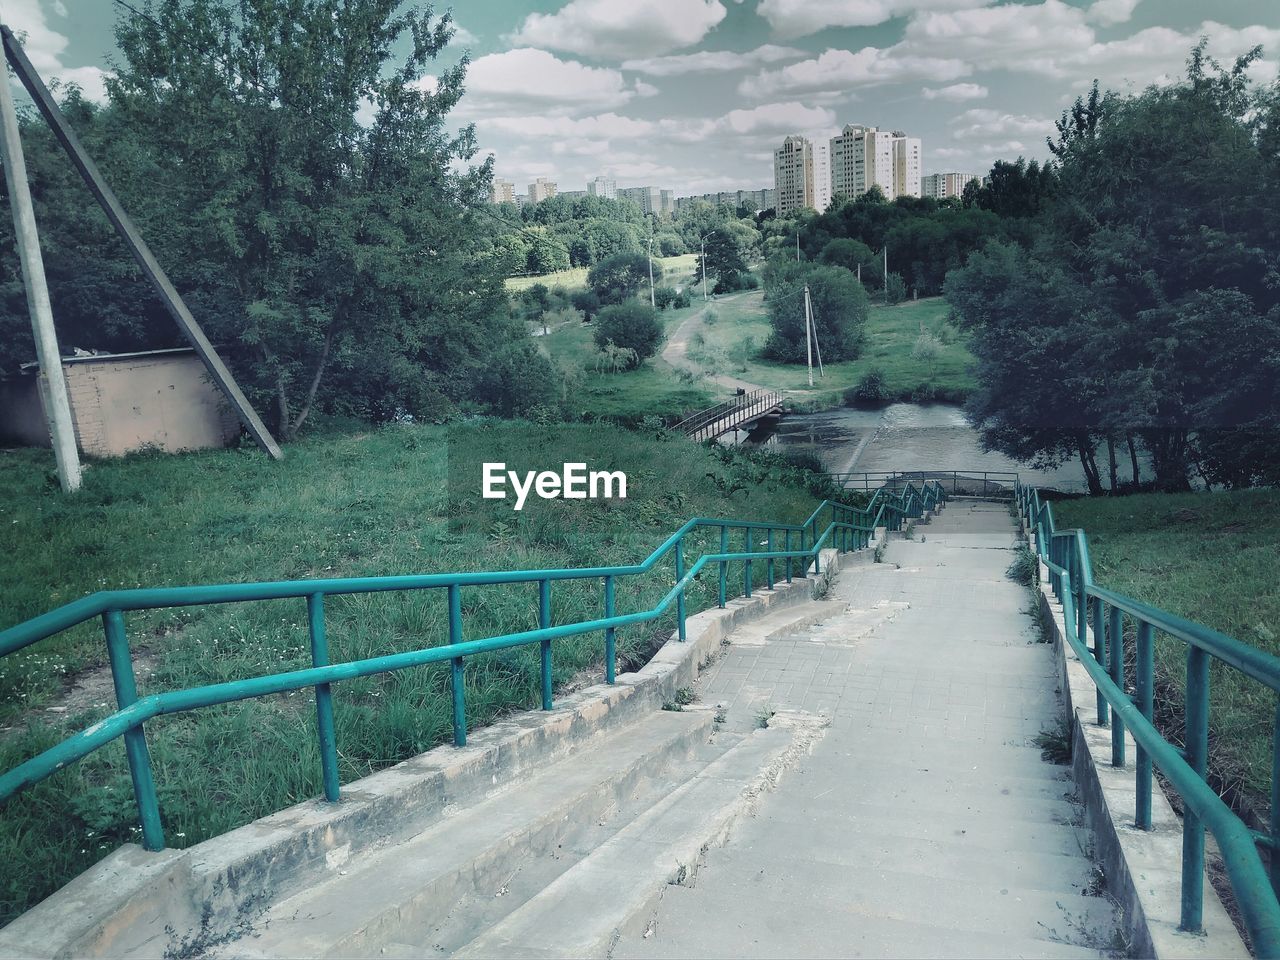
<point>676,352</point>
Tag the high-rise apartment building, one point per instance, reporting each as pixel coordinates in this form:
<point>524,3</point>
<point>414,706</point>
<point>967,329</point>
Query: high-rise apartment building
<point>605,187</point>
<point>755,200</point>
<point>648,199</point>
<point>906,165</point>
<point>667,203</point>
<point>502,191</point>
<point>793,175</point>
<point>941,186</point>
<point>861,158</point>
<point>541,189</point>
<point>821,176</point>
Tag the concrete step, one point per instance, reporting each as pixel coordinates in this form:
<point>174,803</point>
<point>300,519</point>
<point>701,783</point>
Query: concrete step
<point>840,935</point>
<point>824,909</point>
<point>586,910</point>
<point>391,894</point>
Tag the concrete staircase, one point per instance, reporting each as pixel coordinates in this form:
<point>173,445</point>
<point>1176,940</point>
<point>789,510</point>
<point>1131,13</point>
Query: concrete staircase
<point>926,823</point>
<point>917,817</point>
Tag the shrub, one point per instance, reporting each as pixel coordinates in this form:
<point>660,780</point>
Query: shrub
<point>632,326</point>
<point>587,301</point>
<point>871,388</point>
<point>517,379</point>
<point>839,314</point>
<point>897,288</point>
<point>617,278</point>
<point>681,301</point>
<point>664,297</point>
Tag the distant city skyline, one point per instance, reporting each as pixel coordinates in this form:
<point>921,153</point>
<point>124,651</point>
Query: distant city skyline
<point>695,95</point>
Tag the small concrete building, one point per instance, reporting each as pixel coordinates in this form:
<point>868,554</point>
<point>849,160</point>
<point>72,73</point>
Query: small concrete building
<point>121,402</point>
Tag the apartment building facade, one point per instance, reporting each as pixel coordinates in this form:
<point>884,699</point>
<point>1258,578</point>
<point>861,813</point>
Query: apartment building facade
<point>793,175</point>
<point>502,191</point>
<point>907,165</point>
<point>605,187</point>
<point>861,157</point>
<point>942,186</point>
<point>541,189</point>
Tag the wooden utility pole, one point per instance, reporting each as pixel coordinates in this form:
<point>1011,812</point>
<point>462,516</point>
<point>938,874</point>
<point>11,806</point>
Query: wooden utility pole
<point>53,381</point>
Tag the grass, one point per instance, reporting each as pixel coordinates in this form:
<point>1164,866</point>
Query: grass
<point>1209,557</point>
<point>350,505</point>
<point>655,389</point>
<point>891,337</point>
<point>676,272</point>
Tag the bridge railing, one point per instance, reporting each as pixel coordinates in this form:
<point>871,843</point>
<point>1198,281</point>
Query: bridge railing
<point>847,528</point>
<point>1065,554</point>
<point>736,410</point>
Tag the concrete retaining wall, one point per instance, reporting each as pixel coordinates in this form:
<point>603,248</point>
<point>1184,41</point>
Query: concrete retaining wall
<point>138,901</point>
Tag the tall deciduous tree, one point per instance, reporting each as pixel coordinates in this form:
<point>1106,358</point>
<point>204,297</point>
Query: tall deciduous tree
<point>317,196</point>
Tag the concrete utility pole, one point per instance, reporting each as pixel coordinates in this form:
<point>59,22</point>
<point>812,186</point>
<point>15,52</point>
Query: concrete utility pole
<point>808,333</point>
<point>886,274</point>
<point>53,381</point>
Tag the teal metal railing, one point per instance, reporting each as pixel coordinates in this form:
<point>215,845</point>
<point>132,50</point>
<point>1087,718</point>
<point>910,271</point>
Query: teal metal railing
<point>848,528</point>
<point>1065,555</point>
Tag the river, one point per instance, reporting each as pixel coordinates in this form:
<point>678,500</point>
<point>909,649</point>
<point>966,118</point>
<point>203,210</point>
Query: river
<point>906,437</point>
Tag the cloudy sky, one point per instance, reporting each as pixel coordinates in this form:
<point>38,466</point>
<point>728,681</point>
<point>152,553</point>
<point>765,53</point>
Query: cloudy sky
<point>693,95</point>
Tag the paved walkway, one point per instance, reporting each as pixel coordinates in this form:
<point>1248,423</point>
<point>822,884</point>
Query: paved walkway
<point>925,822</point>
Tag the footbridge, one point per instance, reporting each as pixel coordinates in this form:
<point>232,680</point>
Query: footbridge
<point>851,753</point>
<point>739,413</point>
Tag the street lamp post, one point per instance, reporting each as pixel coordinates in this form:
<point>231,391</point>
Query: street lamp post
<point>652,299</point>
<point>703,240</point>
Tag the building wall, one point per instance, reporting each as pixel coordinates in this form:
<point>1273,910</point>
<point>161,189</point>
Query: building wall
<point>504,191</point>
<point>793,175</point>
<point>122,404</point>
<point>603,187</point>
<point>541,189</point>
<point>940,186</point>
<point>906,166</point>
<point>821,176</point>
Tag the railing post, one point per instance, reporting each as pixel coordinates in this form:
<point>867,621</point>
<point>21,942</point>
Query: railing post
<point>769,565</point>
<point>786,547</point>
<point>610,634</point>
<point>680,595</point>
<point>724,564</point>
<point>1115,651</point>
<point>324,699</point>
<point>1274,858</point>
<point>544,621</point>
<point>455,668</point>
<point>746,567</point>
<point>1100,654</point>
<point>135,741</point>
<point>1145,663</point>
<point>1197,736</point>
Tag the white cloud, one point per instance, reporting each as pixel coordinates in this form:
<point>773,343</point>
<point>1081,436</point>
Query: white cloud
<point>984,124</point>
<point>462,37</point>
<point>46,47</point>
<point>524,77</point>
<point>841,69</point>
<point>601,126</point>
<point>798,18</point>
<point>712,61</point>
<point>602,29</point>
<point>1109,12</point>
<point>1015,35</point>
<point>956,93</point>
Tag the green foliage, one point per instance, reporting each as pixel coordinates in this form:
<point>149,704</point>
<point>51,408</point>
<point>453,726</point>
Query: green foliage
<point>871,388</point>
<point>839,313</point>
<point>587,301</point>
<point>632,326</point>
<point>896,288</point>
<point>682,300</point>
<point>516,380</point>
<point>1134,319</point>
<point>618,278</point>
<point>664,297</point>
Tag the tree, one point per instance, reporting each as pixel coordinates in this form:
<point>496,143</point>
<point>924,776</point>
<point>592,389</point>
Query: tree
<point>839,314</point>
<point>725,259</point>
<point>316,200</point>
<point>631,326</point>
<point>618,278</point>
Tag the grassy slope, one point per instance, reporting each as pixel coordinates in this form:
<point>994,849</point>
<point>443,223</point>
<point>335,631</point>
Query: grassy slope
<point>1210,558</point>
<point>891,335</point>
<point>350,505</point>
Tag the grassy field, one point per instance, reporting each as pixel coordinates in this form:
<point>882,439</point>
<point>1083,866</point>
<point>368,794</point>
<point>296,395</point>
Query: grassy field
<point>655,389</point>
<point>1209,557</point>
<point>361,504</point>
<point>741,328</point>
<point>676,272</point>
